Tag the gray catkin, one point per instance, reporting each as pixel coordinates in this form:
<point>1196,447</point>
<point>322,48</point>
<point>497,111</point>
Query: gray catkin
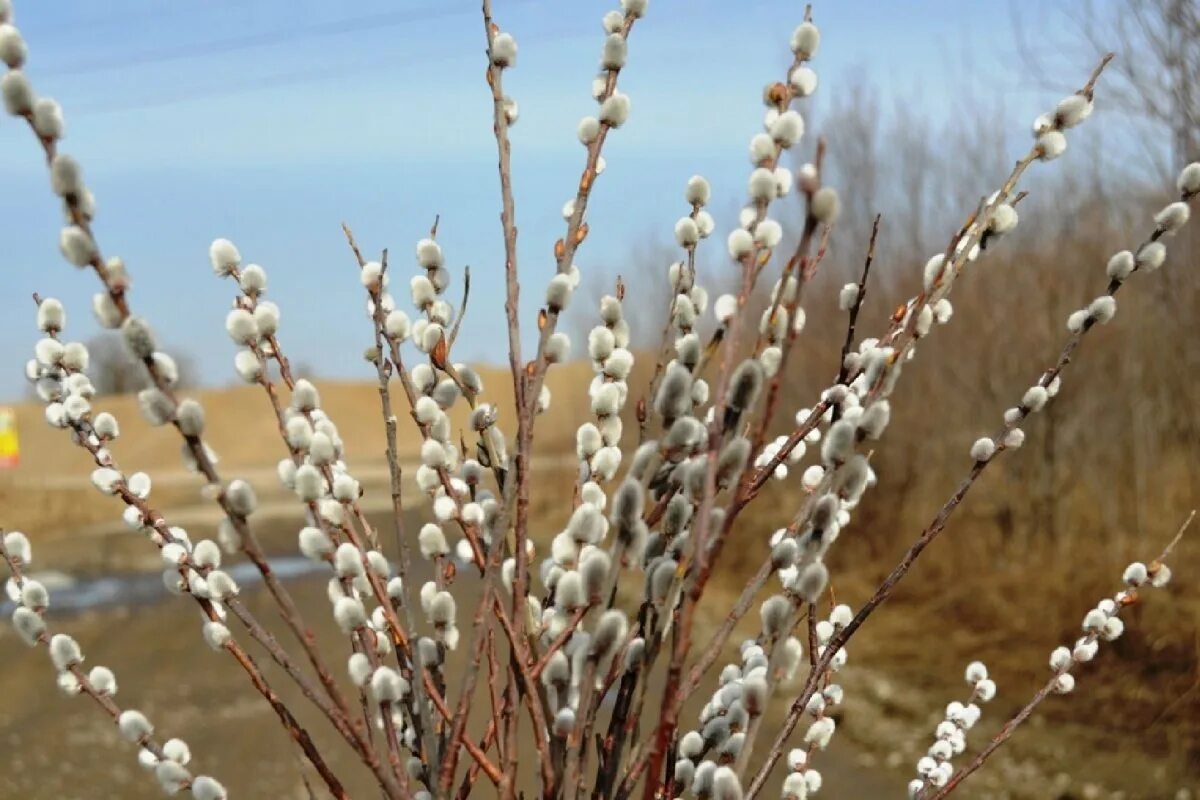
<point>732,461</point>
<point>627,504</point>
<point>139,337</point>
<point>684,433</point>
<point>784,554</point>
<point>557,671</point>
<point>812,580</point>
<point>446,393</point>
<point>656,545</point>
<point>775,612</point>
<point>851,480</point>
<point>839,442</point>
<point>674,394</point>
<point>633,539</point>
<point>645,461</point>
<point>609,633</point>
<point>824,511</point>
<point>190,416</point>
<point>688,350</point>
<point>715,732</point>
<point>155,406</point>
<point>677,516</point>
<point>744,386</point>
<point>875,419</point>
<point>594,570</point>
<point>661,576</point>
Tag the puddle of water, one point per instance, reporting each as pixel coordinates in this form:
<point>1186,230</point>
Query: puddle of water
<point>70,596</point>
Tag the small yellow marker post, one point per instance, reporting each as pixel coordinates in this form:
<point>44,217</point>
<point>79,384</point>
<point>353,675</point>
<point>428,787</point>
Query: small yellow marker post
<point>10,449</point>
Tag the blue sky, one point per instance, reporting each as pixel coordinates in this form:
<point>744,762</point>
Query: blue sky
<point>271,122</point>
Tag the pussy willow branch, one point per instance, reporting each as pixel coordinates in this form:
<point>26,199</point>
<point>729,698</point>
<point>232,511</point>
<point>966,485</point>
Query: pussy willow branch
<point>523,682</point>
<point>458,725</point>
<point>701,566</point>
<point>404,567</point>
<point>533,377</point>
<point>85,685</point>
<point>287,606</point>
<point>84,436</point>
<point>759,478</point>
<point>361,641</point>
<point>1010,727</point>
<point>803,267</point>
<point>808,267</point>
<point>904,328</point>
<point>843,369</point>
<point>263,637</point>
<point>517,490</point>
<point>795,264</point>
<point>195,444</point>
<point>927,536</point>
<point>396,363</point>
<point>430,687</point>
<point>527,384</point>
<point>664,343</point>
<point>485,644</point>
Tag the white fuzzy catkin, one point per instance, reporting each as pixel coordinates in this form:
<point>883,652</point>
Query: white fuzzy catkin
<point>349,614</point>
<point>1120,266</point>
<point>134,726</point>
<point>787,128</point>
<point>18,547</point>
<point>253,279</point>
<point>1077,320</point>
<point>761,185</point>
<point>216,635</point>
<point>504,50</point>
<point>848,296</point>
<point>983,449</point>
<point>48,119</point>
<point>12,46</point>
<point>103,680</point>
<point>1172,217</point>
<point>51,316</point>
<point>805,40</point>
<point>241,327</point>
<point>614,53</point>
<point>1151,256</point>
<point>825,205</point>
<point>17,92</point>
<point>1103,308</point>
<point>804,82</point>
<point>1073,110</point>
<point>387,686</point>
<point>634,8</point>
<point>29,624</point>
<point>206,788</point>
<point>698,191</point>
<point>1188,182</point>
<point>614,111</point>
<point>1051,145</point>
<point>768,233</point>
<point>172,777</point>
<point>741,244</point>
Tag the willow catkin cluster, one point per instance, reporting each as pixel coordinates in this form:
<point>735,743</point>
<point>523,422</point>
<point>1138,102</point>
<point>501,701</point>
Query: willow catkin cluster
<point>581,615</point>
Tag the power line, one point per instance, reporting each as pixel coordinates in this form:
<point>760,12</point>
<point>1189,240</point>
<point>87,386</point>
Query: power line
<point>291,78</point>
<point>388,19</point>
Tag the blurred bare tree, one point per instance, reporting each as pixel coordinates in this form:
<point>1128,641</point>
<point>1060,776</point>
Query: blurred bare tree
<point>114,371</point>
